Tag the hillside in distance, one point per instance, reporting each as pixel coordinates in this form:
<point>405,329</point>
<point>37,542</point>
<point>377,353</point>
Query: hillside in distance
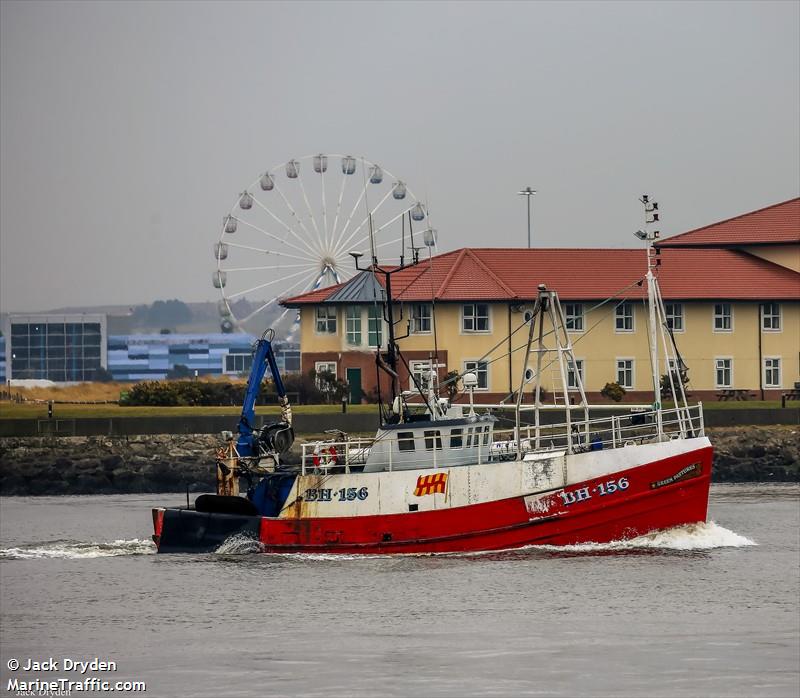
<point>177,316</point>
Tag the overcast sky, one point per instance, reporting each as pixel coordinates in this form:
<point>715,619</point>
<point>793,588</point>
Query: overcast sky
<point>127,129</point>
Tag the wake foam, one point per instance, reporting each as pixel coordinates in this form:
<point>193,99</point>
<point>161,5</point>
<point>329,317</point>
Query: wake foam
<point>240,544</point>
<point>697,536</point>
<point>74,550</point>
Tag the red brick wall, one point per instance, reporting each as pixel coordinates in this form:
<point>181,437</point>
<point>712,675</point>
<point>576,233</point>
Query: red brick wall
<point>366,362</point>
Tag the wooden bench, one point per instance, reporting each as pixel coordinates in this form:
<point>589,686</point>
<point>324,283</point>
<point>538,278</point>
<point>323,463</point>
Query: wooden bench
<point>723,395</point>
<point>791,396</point>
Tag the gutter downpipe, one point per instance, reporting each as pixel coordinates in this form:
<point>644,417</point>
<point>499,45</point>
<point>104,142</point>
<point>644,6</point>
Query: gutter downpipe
<point>759,329</point>
<point>510,372</point>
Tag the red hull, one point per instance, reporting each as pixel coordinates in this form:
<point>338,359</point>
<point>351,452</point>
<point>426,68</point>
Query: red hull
<point>658,495</point>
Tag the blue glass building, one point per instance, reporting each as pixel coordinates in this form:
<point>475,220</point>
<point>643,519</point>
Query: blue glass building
<point>72,348</point>
<point>152,356</point>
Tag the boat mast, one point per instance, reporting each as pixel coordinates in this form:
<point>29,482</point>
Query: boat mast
<point>651,216</point>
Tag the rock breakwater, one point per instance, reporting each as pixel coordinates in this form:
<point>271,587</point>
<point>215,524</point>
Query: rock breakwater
<point>171,463</point>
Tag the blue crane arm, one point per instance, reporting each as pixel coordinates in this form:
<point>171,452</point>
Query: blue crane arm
<point>262,357</point>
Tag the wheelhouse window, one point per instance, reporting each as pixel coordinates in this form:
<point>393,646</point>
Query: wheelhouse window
<point>326,319</point>
<point>771,317</point>
<point>723,317</point>
<point>573,317</point>
<point>674,316</point>
<point>475,317</point>
<point>625,373</point>
<point>353,325</point>
<point>421,318</point>
<point>433,439</point>
<point>772,372</point>
<point>405,440</point>
<point>456,437</point>
<point>723,373</point>
<point>375,326</point>
<point>469,437</point>
<point>623,317</point>
<point>575,371</point>
<point>486,435</point>
<point>481,370</point>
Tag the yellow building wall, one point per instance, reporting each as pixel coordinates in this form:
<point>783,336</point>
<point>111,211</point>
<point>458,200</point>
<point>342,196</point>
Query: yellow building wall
<point>599,346</point>
<point>785,255</point>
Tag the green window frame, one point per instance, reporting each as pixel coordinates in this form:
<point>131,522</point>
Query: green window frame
<point>375,326</point>
<point>353,325</point>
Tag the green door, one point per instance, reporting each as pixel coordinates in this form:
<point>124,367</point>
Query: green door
<point>354,381</point>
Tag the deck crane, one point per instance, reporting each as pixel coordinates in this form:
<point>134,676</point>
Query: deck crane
<point>254,445</point>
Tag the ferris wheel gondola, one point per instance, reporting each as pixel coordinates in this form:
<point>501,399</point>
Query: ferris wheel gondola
<point>292,230</point>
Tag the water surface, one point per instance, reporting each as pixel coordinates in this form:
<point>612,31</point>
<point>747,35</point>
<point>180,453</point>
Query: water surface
<point>707,610</point>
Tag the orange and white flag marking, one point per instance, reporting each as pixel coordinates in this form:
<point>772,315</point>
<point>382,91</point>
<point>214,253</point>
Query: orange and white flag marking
<point>431,484</point>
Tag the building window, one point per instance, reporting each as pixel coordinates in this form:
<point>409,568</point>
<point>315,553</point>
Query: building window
<point>56,351</point>
<point>375,325</point>
<point>291,361</point>
<point>723,373</point>
<point>238,363</point>
<point>431,437</point>
<point>723,317</point>
<point>353,325</point>
<point>475,317</point>
<point>405,440</point>
<point>772,372</point>
<point>674,316</point>
<point>326,319</point>
<point>326,374</point>
<point>625,373</point>
<point>574,371</point>
<point>421,318</point>
<point>481,370</point>
<point>623,319</point>
<point>771,317</point>
<point>456,437</point>
<point>573,317</point>
<point>421,371</point>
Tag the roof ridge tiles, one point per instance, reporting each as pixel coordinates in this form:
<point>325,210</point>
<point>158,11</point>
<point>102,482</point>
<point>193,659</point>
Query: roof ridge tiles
<point>668,241</point>
<point>497,279</point>
<point>461,254</point>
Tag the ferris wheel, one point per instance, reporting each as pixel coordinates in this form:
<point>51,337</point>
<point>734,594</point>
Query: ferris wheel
<point>292,231</point>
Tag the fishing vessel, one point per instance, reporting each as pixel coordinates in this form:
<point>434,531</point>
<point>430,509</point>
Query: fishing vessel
<point>440,477</point>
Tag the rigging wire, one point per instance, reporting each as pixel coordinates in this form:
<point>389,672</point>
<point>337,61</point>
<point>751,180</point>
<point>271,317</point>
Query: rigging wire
<point>594,308</point>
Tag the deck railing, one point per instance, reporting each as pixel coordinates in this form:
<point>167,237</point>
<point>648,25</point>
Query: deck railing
<point>641,426</point>
<point>599,433</point>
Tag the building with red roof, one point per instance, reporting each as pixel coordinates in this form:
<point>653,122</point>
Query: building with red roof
<point>732,294</point>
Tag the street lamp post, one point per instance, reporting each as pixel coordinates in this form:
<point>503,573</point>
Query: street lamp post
<point>528,192</point>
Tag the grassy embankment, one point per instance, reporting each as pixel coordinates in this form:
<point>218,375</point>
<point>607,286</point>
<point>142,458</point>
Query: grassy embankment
<point>73,395</point>
<point>39,410</point>
<point>68,405</point>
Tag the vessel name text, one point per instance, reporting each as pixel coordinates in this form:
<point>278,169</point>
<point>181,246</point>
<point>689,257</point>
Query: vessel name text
<point>601,489</point>
<point>328,494</point>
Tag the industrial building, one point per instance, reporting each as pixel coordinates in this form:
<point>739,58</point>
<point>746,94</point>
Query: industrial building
<point>74,348</point>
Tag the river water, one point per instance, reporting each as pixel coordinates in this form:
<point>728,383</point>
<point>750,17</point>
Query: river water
<point>708,610</point>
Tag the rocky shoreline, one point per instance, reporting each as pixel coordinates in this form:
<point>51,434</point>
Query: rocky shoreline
<point>171,463</point>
